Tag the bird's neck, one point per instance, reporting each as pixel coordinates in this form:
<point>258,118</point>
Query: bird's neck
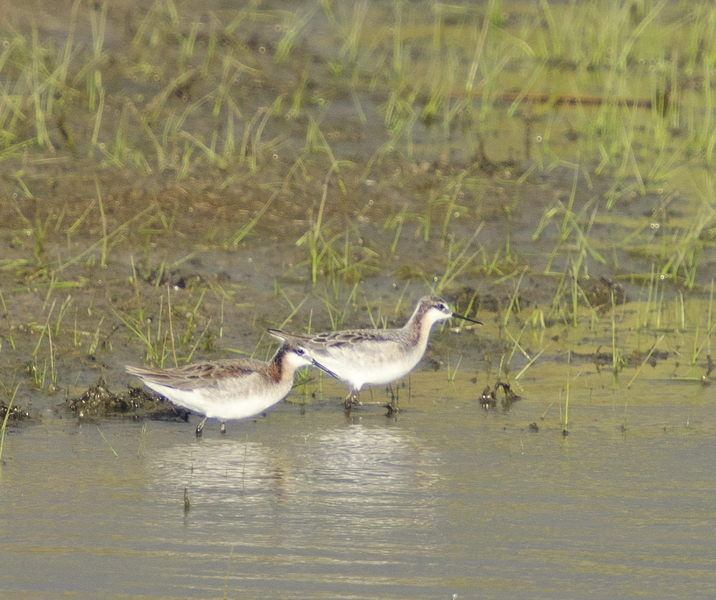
<point>277,367</point>
<point>418,328</point>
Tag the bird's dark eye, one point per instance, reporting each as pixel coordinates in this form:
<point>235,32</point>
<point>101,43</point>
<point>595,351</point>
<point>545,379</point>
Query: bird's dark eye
<point>300,351</point>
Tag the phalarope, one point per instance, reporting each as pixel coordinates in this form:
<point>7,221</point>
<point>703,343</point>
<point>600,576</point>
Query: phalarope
<point>231,388</point>
<point>361,357</point>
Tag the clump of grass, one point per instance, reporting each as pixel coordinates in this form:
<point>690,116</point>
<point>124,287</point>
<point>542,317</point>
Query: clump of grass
<point>565,423</point>
<point>616,358</point>
<point>106,441</point>
<point>338,316</point>
<point>514,304</point>
<point>4,423</point>
<point>646,359</point>
<point>39,373</point>
<point>457,260</point>
<point>452,373</point>
<point>158,344</point>
<point>327,257</point>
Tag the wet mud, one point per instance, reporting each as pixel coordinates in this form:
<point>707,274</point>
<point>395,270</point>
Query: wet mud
<point>99,402</point>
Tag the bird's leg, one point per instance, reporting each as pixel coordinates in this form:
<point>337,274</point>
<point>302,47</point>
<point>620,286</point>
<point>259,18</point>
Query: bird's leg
<point>351,401</point>
<point>392,406</point>
<point>200,427</point>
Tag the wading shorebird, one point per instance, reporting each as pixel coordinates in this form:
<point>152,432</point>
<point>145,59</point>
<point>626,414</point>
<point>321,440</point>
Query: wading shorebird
<point>231,388</point>
<point>361,357</point>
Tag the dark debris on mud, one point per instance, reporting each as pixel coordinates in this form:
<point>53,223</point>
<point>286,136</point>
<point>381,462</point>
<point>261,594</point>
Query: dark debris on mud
<point>635,359</point>
<point>17,414</point>
<point>99,401</point>
<point>602,294</point>
<point>471,303</point>
<point>177,279</point>
<point>489,398</point>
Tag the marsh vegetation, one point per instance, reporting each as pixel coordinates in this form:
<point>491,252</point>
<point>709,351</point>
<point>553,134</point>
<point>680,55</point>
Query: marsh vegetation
<point>174,180</point>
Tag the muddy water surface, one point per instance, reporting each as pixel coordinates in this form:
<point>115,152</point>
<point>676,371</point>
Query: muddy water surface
<point>445,499</point>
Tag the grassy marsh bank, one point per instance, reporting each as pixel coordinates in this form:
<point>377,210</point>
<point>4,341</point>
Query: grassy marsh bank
<point>176,179</point>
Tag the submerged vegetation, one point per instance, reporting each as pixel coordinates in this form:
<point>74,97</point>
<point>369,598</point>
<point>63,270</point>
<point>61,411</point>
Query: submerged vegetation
<point>169,168</point>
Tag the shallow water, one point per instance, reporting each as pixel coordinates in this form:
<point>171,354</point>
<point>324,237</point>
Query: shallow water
<point>444,499</point>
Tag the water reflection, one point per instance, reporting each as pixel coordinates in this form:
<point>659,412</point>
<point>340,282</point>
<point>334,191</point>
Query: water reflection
<point>448,499</point>
<point>348,482</point>
<point>322,506</point>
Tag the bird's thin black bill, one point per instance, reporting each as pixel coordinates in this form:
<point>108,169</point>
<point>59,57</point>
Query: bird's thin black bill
<point>320,366</point>
<point>456,316</point>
